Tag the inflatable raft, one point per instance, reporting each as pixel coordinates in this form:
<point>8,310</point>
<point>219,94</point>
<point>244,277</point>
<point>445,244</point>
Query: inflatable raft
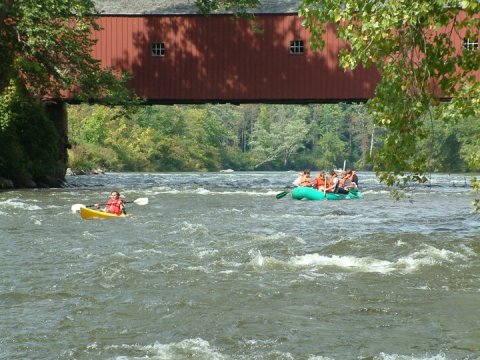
<point>308,193</point>
<point>90,214</point>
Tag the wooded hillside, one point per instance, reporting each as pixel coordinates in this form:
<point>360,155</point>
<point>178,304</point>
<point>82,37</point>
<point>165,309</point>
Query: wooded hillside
<point>252,137</point>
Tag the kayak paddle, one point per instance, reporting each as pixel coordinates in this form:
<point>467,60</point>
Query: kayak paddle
<point>139,201</point>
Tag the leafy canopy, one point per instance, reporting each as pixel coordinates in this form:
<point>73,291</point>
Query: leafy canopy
<point>45,47</point>
<point>238,7</point>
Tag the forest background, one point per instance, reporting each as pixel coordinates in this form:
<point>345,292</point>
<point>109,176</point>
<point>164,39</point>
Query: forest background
<point>252,137</point>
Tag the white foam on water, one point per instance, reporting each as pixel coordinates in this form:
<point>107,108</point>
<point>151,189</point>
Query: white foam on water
<point>148,251</point>
<point>199,269</point>
<point>258,260</point>
<point>347,262</point>
<point>429,256</point>
<point>234,210</point>
<point>230,264</point>
<point>89,236</point>
<point>292,216</point>
<point>206,252</point>
<point>271,237</point>
<point>203,191</point>
<point>423,287</point>
<point>193,228</point>
<point>314,357</point>
<point>227,272</point>
<point>468,250</point>
<point>186,349</point>
<point>16,204</point>
<point>383,356</point>
<point>378,192</point>
<point>120,255</point>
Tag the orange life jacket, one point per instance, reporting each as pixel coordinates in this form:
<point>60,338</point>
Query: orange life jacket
<point>114,206</point>
<point>319,182</point>
<point>331,183</point>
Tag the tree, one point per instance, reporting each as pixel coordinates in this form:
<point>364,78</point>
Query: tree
<point>328,130</point>
<point>330,150</point>
<point>412,44</point>
<point>24,153</point>
<point>279,132</point>
<point>362,136</point>
<point>238,7</point>
<point>45,47</point>
<point>45,54</point>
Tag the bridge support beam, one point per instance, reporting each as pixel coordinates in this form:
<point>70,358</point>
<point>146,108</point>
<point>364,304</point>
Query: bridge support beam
<point>57,113</point>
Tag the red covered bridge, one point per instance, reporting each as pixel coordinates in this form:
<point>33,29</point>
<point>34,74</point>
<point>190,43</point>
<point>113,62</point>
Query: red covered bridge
<point>178,56</point>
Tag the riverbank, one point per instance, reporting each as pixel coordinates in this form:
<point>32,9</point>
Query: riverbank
<point>47,182</point>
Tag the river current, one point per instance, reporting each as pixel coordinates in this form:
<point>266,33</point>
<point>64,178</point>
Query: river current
<point>215,267</point>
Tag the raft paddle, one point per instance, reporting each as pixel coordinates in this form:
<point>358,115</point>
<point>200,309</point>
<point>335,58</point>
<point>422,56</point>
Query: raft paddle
<point>281,195</point>
<point>140,201</point>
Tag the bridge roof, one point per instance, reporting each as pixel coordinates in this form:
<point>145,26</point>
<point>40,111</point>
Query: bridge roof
<point>182,7</point>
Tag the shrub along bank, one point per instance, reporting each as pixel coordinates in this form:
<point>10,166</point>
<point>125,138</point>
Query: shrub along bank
<point>29,143</point>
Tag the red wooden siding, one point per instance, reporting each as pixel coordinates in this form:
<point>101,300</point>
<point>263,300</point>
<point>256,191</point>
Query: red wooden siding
<point>212,59</point>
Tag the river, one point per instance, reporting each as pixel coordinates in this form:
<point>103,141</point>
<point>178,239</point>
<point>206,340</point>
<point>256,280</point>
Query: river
<point>215,267</point>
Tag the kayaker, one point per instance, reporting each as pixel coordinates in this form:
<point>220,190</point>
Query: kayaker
<point>114,205</point>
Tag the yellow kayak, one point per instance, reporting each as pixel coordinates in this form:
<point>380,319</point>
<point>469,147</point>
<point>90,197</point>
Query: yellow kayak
<point>90,214</point>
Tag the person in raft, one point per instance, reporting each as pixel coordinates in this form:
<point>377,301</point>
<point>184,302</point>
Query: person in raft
<point>334,185</point>
<point>352,176</point>
<point>343,184</point>
<point>114,205</point>
<point>303,179</point>
<point>320,181</point>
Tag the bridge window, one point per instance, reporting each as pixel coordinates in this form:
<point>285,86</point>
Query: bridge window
<point>470,44</point>
<point>158,49</point>
<point>296,47</point>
